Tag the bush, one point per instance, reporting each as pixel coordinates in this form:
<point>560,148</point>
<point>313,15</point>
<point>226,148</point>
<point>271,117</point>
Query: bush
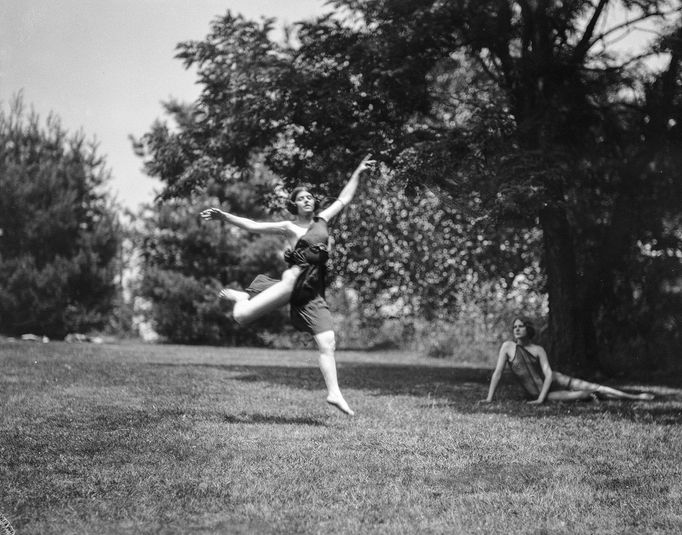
<point>186,311</point>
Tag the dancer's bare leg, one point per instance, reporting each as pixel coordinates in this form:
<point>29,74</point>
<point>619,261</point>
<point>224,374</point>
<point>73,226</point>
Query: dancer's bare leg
<point>233,295</point>
<point>574,383</point>
<point>326,343</point>
<point>248,310</point>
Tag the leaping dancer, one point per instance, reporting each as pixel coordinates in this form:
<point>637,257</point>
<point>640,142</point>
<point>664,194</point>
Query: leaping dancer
<point>303,284</point>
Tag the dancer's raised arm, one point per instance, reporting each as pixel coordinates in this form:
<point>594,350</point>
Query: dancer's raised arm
<point>347,193</point>
<point>265,227</point>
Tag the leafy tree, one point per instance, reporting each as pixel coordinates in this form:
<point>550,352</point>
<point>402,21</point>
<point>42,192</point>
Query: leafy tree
<point>58,230</point>
<point>548,137</point>
<point>522,112</point>
<point>185,262</point>
<point>412,254</point>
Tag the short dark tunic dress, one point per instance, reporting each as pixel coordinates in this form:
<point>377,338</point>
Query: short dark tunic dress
<point>308,308</point>
<point>526,368</point>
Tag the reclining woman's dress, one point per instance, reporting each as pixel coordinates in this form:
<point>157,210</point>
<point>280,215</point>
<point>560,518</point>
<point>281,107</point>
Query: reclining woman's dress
<point>526,368</point>
<point>308,308</point>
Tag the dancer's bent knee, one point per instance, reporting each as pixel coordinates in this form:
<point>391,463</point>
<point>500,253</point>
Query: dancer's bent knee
<point>237,314</point>
<point>290,275</point>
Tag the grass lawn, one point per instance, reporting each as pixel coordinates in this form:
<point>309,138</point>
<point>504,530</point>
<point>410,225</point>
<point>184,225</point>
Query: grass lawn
<point>171,439</point>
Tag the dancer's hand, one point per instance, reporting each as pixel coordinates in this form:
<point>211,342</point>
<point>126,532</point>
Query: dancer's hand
<point>535,402</point>
<point>367,164</point>
<point>485,401</point>
<point>212,213</point>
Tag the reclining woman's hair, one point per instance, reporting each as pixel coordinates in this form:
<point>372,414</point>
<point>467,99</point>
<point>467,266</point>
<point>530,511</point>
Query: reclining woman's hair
<point>528,324</point>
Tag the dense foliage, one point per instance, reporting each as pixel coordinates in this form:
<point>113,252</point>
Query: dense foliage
<point>59,234</point>
<point>523,114</point>
<point>185,262</point>
<point>410,255</point>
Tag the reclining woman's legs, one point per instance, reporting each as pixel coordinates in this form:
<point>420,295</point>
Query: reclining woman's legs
<point>574,385</point>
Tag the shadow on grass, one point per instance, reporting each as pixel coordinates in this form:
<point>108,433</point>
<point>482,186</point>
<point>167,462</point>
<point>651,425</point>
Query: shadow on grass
<point>107,418</point>
<point>459,388</point>
<point>270,419</point>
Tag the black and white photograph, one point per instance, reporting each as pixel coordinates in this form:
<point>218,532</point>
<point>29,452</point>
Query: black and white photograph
<point>341,267</point>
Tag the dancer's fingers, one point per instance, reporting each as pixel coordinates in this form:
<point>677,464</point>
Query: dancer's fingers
<point>209,213</point>
<point>368,163</point>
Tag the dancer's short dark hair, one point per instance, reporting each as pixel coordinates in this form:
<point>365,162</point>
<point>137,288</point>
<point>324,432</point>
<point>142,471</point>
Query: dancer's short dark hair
<point>291,202</point>
<point>528,324</point>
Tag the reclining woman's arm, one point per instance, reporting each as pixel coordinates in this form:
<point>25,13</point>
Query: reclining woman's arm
<point>497,374</point>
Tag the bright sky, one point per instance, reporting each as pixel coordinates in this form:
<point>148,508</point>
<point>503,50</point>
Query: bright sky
<point>105,66</point>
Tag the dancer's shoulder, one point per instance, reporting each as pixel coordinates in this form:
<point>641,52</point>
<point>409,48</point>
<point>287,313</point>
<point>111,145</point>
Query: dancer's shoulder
<point>293,229</point>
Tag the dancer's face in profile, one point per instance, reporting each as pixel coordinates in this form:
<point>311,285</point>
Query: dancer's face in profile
<point>305,202</point>
<point>519,330</point>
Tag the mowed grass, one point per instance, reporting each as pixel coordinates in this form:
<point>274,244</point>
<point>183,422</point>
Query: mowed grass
<point>174,439</point>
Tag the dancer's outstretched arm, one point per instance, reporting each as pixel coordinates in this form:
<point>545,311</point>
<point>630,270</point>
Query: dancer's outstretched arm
<point>347,193</point>
<point>265,227</point>
<point>497,374</point>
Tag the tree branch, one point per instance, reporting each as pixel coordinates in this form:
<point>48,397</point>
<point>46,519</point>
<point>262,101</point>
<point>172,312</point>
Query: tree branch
<point>622,65</point>
<point>527,38</point>
<point>585,42</point>
<point>619,27</point>
<point>487,69</point>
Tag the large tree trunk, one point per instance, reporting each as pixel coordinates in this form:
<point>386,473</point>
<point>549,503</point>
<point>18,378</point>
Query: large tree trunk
<point>568,348</point>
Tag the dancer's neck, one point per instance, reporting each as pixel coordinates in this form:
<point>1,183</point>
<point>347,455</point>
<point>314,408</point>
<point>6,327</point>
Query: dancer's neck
<point>303,221</point>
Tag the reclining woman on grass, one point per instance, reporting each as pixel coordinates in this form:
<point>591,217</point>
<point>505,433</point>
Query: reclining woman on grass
<point>528,362</point>
<point>302,285</point>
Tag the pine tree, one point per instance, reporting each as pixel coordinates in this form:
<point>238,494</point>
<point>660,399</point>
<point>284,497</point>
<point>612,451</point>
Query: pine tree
<point>59,234</point>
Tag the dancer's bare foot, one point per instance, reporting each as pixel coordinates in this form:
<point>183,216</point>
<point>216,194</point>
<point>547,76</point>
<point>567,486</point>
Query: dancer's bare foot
<point>647,397</point>
<point>336,400</point>
<point>233,295</point>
